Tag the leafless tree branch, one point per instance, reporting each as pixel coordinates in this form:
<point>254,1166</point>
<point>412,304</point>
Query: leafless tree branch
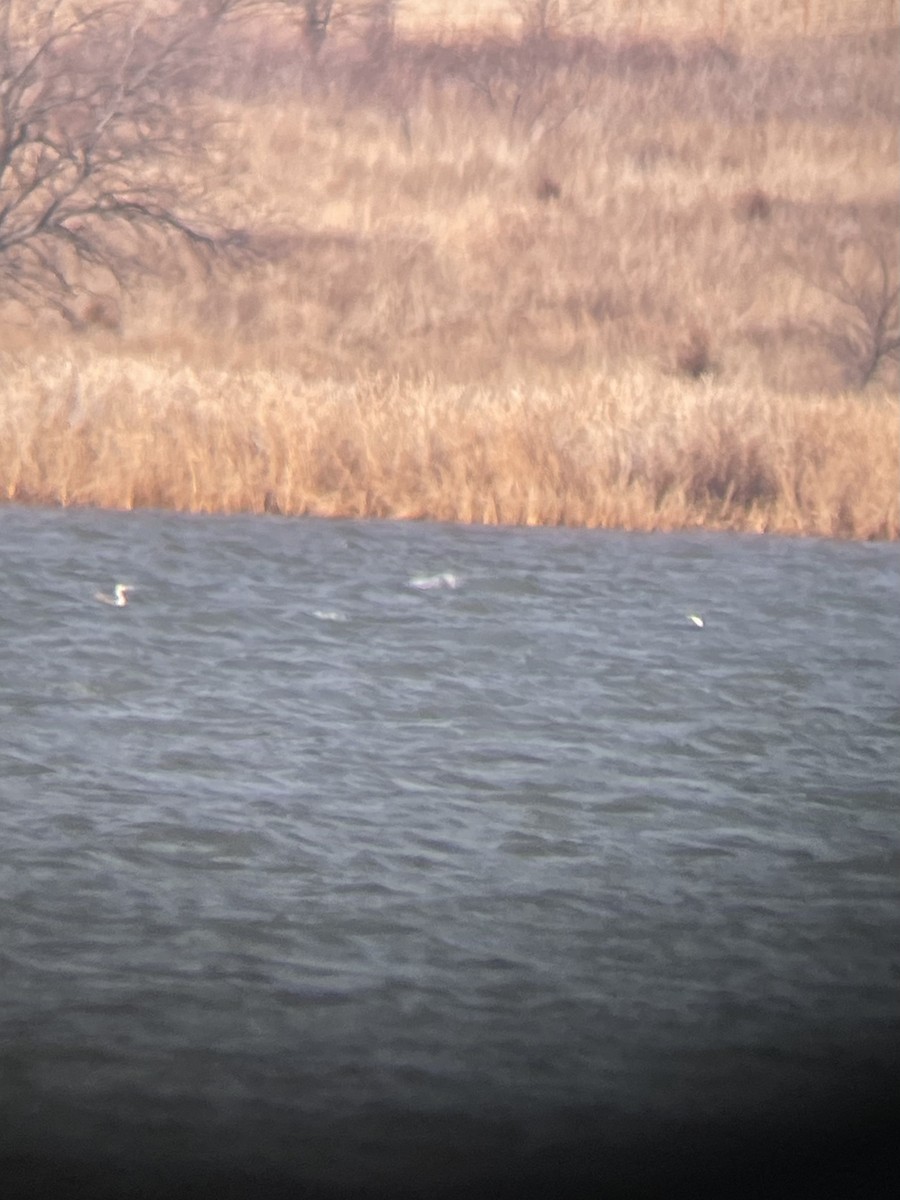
<point>859,275</point>
<point>98,127</point>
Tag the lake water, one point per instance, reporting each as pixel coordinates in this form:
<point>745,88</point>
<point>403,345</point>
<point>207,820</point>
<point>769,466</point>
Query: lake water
<point>427,858</point>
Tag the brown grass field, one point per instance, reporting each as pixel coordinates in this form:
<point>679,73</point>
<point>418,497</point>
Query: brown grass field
<point>635,273</point>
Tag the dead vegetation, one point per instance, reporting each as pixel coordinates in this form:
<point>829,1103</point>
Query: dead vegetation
<point>464,246</point>
<point>94,105</point>
<point>638,452</point>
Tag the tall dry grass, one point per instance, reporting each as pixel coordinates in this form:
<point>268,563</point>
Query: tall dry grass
<point>753,18</point>
<point>629,451</point>
<point>628,278</point>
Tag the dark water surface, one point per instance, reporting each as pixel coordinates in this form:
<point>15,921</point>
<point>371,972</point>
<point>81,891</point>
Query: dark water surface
<point>420,859</point>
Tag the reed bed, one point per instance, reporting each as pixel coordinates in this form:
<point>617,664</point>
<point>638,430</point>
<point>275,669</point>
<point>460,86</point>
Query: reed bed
<point>621,278</point>
<point>619,451</point>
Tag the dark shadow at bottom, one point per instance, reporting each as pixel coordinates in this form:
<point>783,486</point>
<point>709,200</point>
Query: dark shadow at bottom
<point>839,1144</point>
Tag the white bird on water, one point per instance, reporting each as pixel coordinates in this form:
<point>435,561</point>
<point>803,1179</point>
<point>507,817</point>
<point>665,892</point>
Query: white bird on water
<point>697,620</point>
<point>119,597</point>
<point>426,583</point>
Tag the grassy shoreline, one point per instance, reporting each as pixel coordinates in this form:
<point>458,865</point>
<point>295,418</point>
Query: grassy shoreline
<point>630,452</point>
<point>627,281</point>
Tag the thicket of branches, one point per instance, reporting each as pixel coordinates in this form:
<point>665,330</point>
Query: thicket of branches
<point>98,128</point>
<point>858,275</point>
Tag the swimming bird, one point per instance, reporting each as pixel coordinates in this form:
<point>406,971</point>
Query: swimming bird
<point>425,583</point>
<point>328,614</point>
<point>698,621</point>
<point>119,597</point>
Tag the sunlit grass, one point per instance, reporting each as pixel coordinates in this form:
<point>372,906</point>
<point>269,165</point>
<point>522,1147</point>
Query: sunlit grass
<point>509,289</point>
<point>688,17</point>
<point>627,451</point>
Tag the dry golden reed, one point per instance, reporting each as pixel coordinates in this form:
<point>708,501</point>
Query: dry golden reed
<point>627,451</point>
<point>626,278</point>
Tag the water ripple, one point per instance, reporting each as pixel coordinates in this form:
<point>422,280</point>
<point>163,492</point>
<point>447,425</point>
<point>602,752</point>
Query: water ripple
<point>330,838</point>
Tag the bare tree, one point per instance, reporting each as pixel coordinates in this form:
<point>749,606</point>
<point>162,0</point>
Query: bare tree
<point>543,18</point>
<point>316,17</point>
<point>98,129</point>
<point>319,18</point>
<point>858,275</point>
